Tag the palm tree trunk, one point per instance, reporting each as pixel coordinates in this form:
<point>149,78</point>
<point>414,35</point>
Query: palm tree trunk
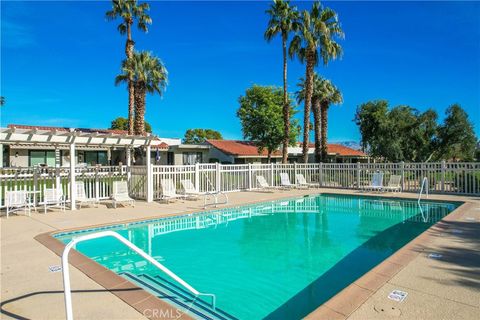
<point>286,107</point>
<point>324,117</point>
<point>316,119</point>
<point>131,88</point>
<point>140,96</point>
<point>308,102</point>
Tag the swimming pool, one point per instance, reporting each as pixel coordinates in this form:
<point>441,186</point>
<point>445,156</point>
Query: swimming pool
<point>276,260</point>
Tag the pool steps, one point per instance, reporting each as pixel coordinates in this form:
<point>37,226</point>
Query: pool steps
<point>184,300</point>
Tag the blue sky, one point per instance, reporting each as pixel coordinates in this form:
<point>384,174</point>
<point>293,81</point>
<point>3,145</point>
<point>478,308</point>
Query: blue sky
<point>59,60</point>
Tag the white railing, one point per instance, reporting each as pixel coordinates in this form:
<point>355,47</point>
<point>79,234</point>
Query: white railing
<point>143,254</point>
<point>98,181</point>
<point>423,188</point>
<point>443,177</point>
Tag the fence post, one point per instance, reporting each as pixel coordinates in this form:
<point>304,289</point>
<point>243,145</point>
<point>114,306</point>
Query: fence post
<point>35,186</point>
<point>402,172</point>
<point>358,175</point>
<point>97,185</point>
<point>320,174</point>
<point>249,176</point>
<point>197,177</point>
<point>444,168</point>
<point>272,175</point>
<point>295,172</point>
<point>73,191</point>
<point>128,152</point>
<point>218,180</point>
<point>149,175</point>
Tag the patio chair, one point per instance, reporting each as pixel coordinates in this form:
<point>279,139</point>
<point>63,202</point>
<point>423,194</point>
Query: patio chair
<point>285,181</point>
<point>82,196</point>
<point>168,190</point>
<point>16,200</point>
<point>302,182</point>
<point>377,182</point>
<point>189,190</point>
<point>120,194</point>
<point>263,184</point>
<point>53,198</point>
<point>394,184</point>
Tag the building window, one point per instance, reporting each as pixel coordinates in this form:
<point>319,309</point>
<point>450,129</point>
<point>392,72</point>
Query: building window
<point>192,158</point>
<point>170,158</point>
<point>96,157</point>
<point>41,157</point>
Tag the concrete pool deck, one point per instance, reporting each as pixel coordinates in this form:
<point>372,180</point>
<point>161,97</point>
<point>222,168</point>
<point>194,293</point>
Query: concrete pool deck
<point>447,288</point>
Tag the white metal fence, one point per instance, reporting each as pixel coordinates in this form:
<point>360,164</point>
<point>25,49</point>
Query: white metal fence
<point>444,177</point>
<point>453,178</point>
<point>98,181</point>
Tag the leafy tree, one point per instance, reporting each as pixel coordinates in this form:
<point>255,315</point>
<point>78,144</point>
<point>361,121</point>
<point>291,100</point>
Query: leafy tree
<point>316,39</point>
<point>121,123</point>
<point>400,134</point>
<point>148,74</point>
<point>283,21</point>
<point>456,137</point>
<point>260,113</point>
<point>197,136</point>
<point>324,94</point>
<point>128,11</point>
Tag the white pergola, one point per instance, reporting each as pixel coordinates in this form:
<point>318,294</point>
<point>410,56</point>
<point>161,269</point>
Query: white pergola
<point>72,138</point>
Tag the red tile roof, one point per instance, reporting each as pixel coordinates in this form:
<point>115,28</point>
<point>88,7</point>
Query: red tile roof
<point>239,148</point>
<point>247,148</point>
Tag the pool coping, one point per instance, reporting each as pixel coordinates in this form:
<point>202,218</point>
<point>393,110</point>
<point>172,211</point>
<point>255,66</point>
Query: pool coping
<point>340,306</point>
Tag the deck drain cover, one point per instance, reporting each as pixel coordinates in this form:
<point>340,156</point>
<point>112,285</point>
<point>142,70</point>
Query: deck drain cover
<point>435,256</point>
<point>397,295</point>
<point>387,311</point>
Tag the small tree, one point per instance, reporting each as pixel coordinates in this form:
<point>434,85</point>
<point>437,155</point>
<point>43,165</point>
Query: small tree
<point>261,117</point>
<point>456,137</point>
<point>197,136</point>
<point>121,123</point>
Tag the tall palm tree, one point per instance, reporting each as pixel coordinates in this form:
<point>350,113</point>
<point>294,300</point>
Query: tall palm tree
<point>129,11</point>
<point>332,95</point>
<point>148,74</point>
<point>324,94</point>
<point>316,39</point>
<point>283,20</point>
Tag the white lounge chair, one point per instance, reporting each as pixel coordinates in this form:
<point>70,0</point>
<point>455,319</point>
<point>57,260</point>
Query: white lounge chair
<point>82,196</point>
<point>377,182</point>
<point>53,198</point>
<point>302,182</point>
<point>394,183</point>
<point>285,181</point>
<point>16,200</point>
<point>189,190</point>
<point>120,194</point>
<point>168,190</point>
<point>263,184</point>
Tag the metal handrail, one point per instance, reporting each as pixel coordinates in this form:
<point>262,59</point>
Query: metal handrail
<point>74,241</point>
<point>424,187</point>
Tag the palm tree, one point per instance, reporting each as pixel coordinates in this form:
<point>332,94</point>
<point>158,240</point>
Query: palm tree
<point>283,20</point>
<point>129,11</point>
<point>148,74</point>
<point>324,94</point>
<point>316,39</point>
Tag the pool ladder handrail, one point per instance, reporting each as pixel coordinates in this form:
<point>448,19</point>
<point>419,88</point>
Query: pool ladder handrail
<point>423,187</point>
<point>74,241</point>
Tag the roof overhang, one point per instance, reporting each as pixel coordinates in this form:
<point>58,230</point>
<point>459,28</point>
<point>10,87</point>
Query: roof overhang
<point>55,137</point>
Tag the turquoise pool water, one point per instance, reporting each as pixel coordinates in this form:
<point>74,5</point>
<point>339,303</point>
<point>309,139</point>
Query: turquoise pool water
<point>274,260</point>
